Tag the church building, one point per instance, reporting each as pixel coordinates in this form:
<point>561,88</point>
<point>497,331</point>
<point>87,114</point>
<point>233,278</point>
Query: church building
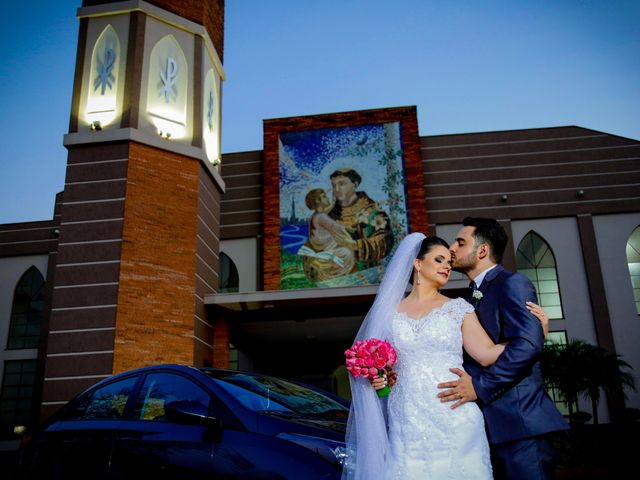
<point>163,250</point>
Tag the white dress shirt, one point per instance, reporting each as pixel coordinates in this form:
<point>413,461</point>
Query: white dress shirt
<point>483,274</point>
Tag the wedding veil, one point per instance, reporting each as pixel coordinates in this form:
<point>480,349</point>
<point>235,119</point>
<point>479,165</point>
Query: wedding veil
<point>366,437</point>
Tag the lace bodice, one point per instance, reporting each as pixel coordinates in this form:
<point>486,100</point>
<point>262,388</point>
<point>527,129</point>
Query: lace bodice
<point>434,339</point>
<point>427,438</point>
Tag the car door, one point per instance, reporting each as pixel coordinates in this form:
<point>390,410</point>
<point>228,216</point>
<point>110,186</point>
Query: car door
<point>152,445</point>
<point>80,444</point>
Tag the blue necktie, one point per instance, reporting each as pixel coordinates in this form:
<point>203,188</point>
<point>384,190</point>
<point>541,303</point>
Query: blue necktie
<point>472,288</point>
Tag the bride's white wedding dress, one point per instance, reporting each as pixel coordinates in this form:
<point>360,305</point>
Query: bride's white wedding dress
<point>427,439</point>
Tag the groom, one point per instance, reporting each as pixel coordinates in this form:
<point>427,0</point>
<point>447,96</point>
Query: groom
<point>518,413</point>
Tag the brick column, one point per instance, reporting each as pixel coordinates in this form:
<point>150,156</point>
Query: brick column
<point>139,222</point>
<point>221,343</point>
<point>157,269</point>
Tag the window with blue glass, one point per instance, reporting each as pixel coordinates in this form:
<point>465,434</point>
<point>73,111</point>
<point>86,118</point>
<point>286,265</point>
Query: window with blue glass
<point>16,398</point>
<point>535,259</point>
<point>106,402</point>
<point>27,311</point>
<point>229,278</point>
<point>160,389</point>
<point>633,261</point>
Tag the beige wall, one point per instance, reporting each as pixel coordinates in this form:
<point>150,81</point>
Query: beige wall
<point>612,233</point>
<point>244,253</point>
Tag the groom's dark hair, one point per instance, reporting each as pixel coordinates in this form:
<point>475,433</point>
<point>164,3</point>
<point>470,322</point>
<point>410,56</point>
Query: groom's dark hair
<point>488,230</point>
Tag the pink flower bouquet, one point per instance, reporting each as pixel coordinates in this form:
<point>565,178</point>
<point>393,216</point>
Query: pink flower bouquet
<point>367,358</point>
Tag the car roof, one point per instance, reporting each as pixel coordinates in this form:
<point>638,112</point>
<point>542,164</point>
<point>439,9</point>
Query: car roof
<point>204,374</point>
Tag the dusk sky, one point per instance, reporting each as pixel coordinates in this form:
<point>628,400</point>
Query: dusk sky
<point>468,66</point>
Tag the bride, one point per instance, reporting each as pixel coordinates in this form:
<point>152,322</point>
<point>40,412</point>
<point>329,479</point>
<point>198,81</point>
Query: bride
<point>411,434</point>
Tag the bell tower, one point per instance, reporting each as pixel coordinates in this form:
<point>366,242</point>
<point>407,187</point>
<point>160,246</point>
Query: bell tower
<point>140,216</point>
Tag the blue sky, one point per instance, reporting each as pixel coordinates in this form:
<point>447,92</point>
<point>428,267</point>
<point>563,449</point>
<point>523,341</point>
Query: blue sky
<point>467,65</point>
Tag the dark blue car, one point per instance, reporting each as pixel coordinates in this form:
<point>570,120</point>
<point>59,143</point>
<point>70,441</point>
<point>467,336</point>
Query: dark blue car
<point>179,422</point>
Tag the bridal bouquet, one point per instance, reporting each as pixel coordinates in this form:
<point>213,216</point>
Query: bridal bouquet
<point>367,358</point>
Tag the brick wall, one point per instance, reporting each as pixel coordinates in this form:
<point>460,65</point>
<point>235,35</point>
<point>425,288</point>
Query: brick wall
<point>79,345</point>
<point>156,295</point>
<point>207,270</point>
<point>406,116</point>
<point>208,13</point>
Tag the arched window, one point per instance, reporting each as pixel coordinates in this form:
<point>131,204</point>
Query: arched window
<point>27,311</point>
<point>229,279</point>
<point>535,259</point>
<point>633,260</point>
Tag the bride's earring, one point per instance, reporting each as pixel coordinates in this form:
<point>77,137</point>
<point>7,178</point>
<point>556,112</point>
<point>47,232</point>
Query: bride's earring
<point>417,277</point>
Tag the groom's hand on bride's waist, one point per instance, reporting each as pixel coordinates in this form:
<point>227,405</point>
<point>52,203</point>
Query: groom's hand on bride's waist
<point>460,391</point>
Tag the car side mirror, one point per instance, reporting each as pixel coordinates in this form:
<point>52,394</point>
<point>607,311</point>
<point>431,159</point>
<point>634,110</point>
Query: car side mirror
<point>185,411</point>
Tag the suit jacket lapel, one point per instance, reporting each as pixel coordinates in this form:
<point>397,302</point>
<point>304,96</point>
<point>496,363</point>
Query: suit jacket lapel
<point>490,277</point>
<point>490,320</point>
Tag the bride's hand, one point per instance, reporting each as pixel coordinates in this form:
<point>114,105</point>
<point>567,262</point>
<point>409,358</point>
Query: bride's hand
<point>379,382</point>
<point>389,378</point>
<point>541,315</point>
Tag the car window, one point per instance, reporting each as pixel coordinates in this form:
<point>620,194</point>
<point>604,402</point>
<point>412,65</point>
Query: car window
<point>261,392</point>
<point>105,402</point>
<point>159,389</point>
<point>252,400</point>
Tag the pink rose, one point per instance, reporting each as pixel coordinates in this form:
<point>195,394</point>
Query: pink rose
<point>366,357</point>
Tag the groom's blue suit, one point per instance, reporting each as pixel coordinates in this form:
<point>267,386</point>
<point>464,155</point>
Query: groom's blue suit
<point>510,392</point>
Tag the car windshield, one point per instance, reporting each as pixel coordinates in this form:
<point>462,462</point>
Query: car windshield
<point>264,393</point>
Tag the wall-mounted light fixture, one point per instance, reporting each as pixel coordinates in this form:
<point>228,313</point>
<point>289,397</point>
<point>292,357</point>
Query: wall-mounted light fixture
<point>504,197</point>
<point>96,126</point>
<point>167,128</point>
<point>580,193</point>
<point>216,162</point>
